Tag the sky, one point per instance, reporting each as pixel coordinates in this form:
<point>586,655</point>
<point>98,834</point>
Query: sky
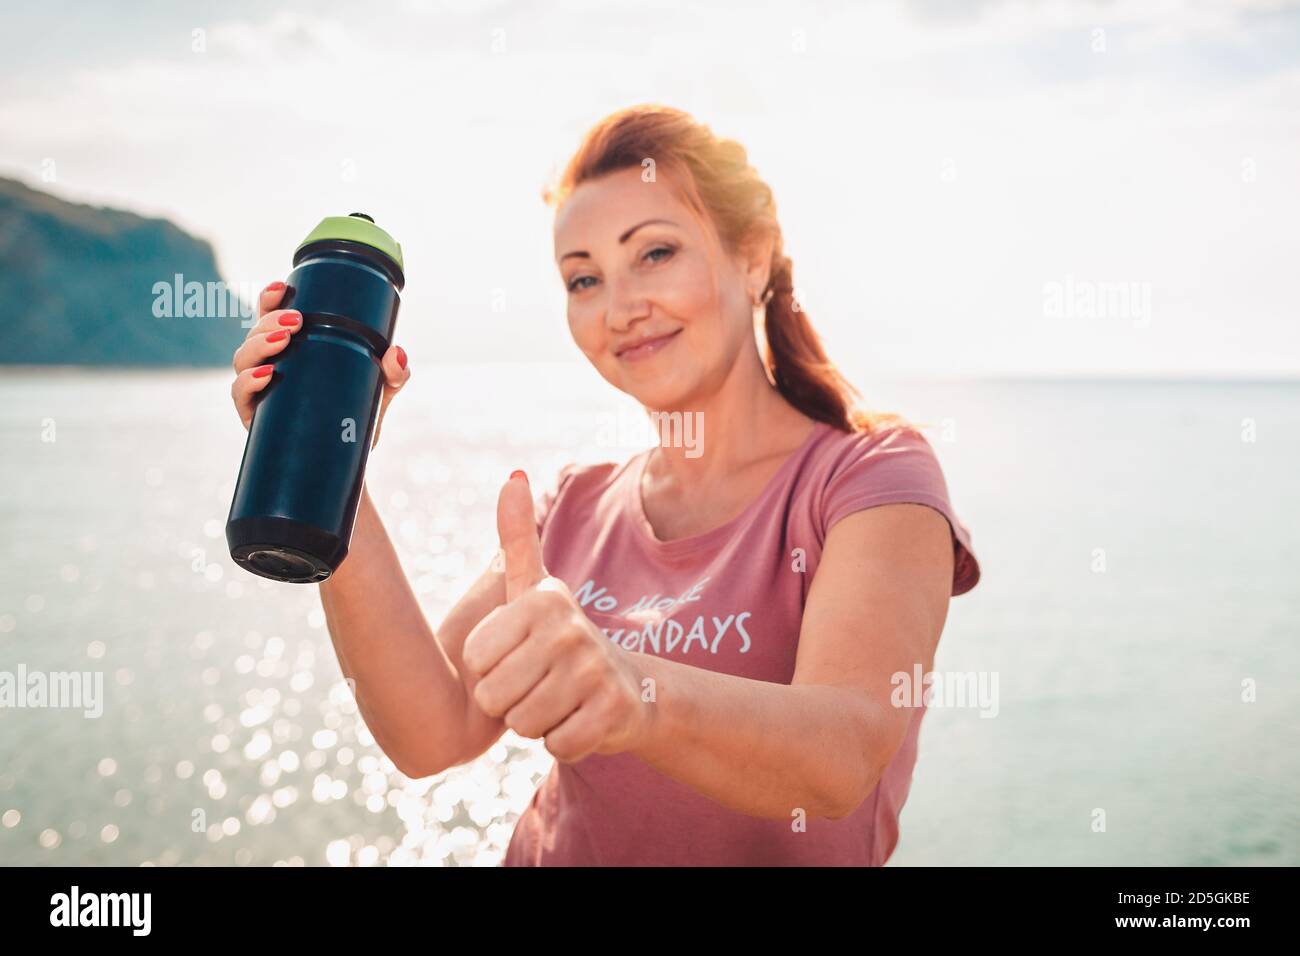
<point>965,188</point>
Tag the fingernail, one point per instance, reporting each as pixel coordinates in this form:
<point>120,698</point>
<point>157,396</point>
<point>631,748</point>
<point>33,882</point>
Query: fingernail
<point>518,473</point>
<point>275,287</point>
<point>401,356</point>
<point>262,371</point>
<point>291,318</point>
<point>277,336</point>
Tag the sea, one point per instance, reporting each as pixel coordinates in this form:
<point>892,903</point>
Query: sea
<point>1135,629</point>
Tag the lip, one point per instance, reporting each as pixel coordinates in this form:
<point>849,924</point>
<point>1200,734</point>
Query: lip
<point>644,348</point>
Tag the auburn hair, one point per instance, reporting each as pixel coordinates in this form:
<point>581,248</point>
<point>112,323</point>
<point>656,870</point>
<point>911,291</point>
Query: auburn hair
<point>718,181</point>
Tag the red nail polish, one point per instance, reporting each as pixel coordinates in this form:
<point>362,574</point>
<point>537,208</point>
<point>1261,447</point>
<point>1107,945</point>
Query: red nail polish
<point>277,336</point>
<point>401,356</point>
<point>518,473</point>
<point>290,318</point>
<point>262,371</point>
<point>275,287</point>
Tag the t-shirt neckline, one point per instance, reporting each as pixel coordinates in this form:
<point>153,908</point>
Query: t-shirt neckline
<point>635,507</point>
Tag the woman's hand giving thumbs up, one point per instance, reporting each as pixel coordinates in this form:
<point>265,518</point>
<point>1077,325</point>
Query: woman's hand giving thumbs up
<point>538,661</point>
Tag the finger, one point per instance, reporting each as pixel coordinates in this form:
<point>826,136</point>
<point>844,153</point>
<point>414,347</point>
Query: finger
<point>578,735</point>
<point>517,529</point>
<point>245,388</point>
<point>396,374</point>
<point>545,705</point>
<point>499,632</point>
<point>276,319</point>
<point>396,368</point>
<point>269,298</point>
<point>256,349</point>
<point>513,677</point>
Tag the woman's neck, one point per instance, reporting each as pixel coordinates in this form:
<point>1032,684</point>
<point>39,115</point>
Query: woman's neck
<point>744,421</point>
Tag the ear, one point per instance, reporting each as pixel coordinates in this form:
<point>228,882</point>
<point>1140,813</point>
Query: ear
<point>756,261</point>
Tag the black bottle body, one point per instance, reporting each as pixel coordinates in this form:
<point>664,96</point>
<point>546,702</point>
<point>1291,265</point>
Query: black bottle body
<point>304,463</point>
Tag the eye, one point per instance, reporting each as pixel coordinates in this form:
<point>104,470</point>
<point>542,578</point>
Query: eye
<point>668,249</point>
<point>573,284</point>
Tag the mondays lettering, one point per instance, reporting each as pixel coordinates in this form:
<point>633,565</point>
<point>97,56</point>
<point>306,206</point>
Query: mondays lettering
<point>102,909</point>
<point>665,637</point>
<point>660,634</point>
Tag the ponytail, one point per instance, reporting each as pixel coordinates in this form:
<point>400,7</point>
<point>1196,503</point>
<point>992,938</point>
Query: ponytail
<point>797,362</point>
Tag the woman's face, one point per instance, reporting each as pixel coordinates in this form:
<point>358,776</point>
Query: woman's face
<point>654,302</point>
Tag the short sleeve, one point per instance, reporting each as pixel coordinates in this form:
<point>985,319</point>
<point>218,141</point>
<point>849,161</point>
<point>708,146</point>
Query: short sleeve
<point>545,502</point>
<point>898,468</point>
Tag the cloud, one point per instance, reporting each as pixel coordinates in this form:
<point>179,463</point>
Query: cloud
<point>284,34</point>
<point>1117,167</point>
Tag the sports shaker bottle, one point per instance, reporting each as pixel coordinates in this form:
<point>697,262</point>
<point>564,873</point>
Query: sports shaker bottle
<point>300,480</point>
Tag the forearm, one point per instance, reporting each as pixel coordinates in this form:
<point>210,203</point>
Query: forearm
<point>407,688</point>
<point>759,748</point>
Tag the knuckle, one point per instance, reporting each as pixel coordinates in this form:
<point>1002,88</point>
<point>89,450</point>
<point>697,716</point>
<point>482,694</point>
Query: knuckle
<point>549,603</point>
<point>590,673</point>
<point>523,723</point>
<point>564,639</point>
<point>533,604</point>
<point>487,700</point>
<point>572,745</point>
<point>597,704</point>
<point>610,705</point>
<point>575,624</point>
<point>559,747</point>
<point>469,652</point>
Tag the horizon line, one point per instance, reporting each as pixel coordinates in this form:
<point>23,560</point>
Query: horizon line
<point>1101,377</point>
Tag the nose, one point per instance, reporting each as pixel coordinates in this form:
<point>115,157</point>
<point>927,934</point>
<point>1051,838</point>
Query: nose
<point>627,305</point>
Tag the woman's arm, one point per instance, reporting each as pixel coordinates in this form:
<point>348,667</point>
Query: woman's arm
<point>876,607</point>
<point>407,679</point>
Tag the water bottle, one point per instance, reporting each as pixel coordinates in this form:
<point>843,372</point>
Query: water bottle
<point>300,480</point>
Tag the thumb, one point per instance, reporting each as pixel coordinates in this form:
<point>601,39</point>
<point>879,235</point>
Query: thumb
<point>517,528</point>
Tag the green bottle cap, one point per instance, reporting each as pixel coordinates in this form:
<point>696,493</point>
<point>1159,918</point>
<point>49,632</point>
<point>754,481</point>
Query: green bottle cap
<point>357,227</point>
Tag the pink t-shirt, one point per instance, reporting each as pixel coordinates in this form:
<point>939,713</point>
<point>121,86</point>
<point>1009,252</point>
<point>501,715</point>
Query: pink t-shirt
<point>728,600</point>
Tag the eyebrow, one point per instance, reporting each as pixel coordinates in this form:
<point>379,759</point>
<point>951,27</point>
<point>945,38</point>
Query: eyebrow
<point>623,238</point>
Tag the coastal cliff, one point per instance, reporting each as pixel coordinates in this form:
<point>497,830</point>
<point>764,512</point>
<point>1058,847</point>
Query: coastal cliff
<point>86,285</point>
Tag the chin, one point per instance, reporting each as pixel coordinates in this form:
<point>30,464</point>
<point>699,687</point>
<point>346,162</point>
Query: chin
<point>665,391</point>
<point>655,400</point>
<point>655,396</point>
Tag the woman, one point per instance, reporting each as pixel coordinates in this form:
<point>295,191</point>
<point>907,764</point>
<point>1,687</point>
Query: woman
<point>703,636</point>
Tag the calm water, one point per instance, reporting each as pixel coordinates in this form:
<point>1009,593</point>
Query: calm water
<point>1138,568</point>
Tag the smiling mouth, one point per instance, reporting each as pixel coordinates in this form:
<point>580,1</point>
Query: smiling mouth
<point>646,347</point>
